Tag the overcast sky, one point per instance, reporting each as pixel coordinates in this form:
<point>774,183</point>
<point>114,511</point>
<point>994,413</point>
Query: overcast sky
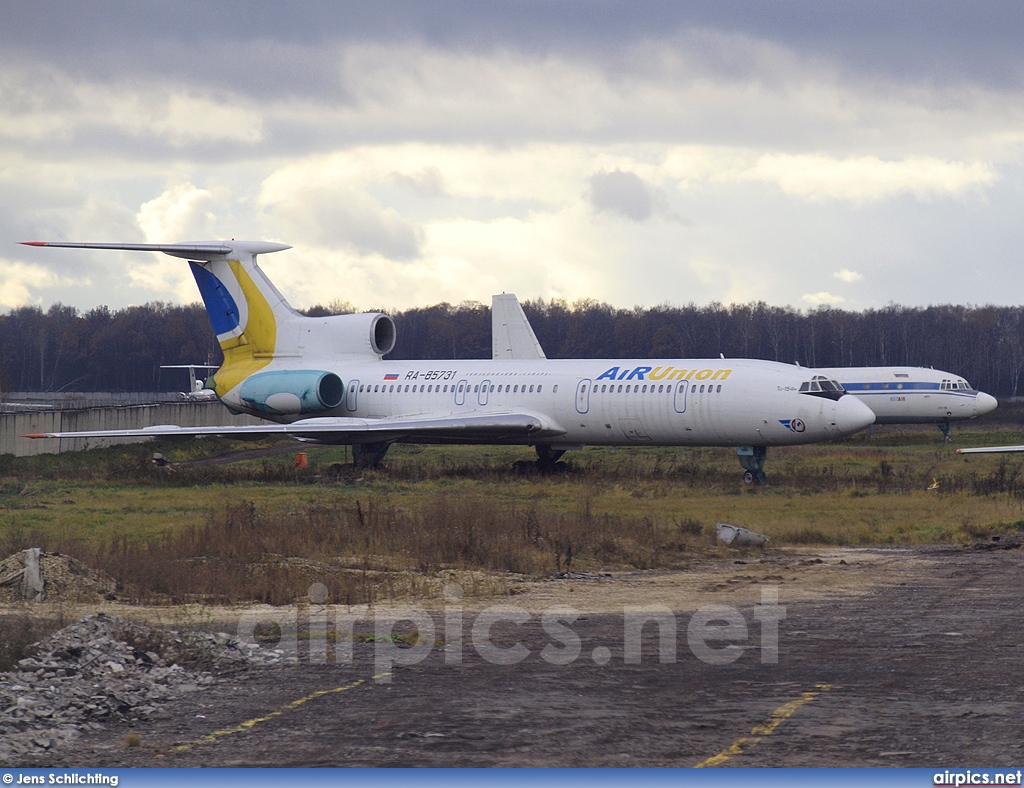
<point>800,153</point>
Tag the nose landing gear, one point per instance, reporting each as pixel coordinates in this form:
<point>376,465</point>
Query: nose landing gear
<point>752,459</point>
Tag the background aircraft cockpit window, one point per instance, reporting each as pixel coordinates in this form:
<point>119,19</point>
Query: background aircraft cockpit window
<point>821,386</point>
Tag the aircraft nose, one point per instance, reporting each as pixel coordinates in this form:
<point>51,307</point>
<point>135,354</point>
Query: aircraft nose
<point>984,403</point>
<point>852,415</point>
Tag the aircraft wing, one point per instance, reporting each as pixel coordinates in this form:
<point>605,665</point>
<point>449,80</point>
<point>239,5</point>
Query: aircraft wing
<point>990,450</point>
<point>340,430</point>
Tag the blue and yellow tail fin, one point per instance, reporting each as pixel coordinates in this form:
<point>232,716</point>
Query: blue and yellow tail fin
<point>255,325</point>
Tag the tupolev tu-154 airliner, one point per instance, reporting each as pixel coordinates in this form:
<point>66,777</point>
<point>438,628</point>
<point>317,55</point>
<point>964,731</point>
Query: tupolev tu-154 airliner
<point>325,380</point>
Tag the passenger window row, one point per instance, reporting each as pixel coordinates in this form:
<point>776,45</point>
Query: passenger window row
<point>438,388</point>
<point>660,389</point>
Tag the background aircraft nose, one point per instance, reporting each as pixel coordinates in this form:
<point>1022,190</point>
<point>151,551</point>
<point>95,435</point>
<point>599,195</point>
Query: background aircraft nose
<point>852,415</point>
<point>984,403</point>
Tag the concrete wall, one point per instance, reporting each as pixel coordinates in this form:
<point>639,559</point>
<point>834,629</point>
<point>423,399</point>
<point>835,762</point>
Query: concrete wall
<point>185,414</point>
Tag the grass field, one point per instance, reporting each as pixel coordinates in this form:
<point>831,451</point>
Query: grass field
<point>266,530</point>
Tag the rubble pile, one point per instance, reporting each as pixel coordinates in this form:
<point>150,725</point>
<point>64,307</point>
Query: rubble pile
<point>63,577</point>
<point>105,669</point>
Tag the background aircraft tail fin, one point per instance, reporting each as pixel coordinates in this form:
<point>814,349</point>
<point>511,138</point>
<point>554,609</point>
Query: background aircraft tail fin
<point>511,333</point>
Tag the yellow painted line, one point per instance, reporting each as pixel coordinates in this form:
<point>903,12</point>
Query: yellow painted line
<point>766,728</point>
<point>250,724</point>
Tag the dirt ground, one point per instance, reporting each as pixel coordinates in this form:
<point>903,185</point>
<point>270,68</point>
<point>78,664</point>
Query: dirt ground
<point>885,657</point>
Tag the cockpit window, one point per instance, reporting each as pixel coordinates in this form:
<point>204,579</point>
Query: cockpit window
<point>821,386</point>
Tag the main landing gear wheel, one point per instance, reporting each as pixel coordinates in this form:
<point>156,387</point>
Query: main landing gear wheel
<point>547,463</point>
<point>369,455</point>
<point>548,460</point>
<point>752,459</point>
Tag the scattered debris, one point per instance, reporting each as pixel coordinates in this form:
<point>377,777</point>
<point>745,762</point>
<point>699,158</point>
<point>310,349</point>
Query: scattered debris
<point>1000,542</point>
<point>736,536</point>
<point>591,576</point>
<point>104,669</point>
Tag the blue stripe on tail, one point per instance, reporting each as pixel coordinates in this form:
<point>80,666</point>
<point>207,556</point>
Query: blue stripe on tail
<point>220,306</point>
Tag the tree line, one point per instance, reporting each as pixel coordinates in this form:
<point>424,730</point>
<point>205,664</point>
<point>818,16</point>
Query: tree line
<point>62,349</point>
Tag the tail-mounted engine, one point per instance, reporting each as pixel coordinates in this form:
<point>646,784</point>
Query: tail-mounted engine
<point>292,392</point>
<point>347,335</point>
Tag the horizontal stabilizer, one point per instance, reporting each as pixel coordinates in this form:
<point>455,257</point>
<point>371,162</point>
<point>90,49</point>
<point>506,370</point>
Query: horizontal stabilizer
<point>207,250</point>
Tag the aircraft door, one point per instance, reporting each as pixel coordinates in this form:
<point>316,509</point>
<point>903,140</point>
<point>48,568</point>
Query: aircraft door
<point>460,392</point>
<point>485,387</point>
<point>583,396</point>
<point>680,396</point>
<point>350,399</point>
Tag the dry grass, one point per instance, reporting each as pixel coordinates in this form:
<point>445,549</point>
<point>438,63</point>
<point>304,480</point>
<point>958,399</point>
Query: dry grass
<point>263,530</point>
<point>245,552</point>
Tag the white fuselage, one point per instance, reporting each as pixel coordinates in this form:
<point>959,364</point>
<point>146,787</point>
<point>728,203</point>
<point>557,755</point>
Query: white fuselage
<point>683,402</point>
<point>913,395</point>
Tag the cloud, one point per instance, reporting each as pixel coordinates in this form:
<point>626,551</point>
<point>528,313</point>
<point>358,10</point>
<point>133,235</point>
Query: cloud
<point>819,298</point>
<point>42,103</point>
<point>621,193</point>
<point>181,213</point>
<point>952,42</point>
<point>861,179</point>
<point>315,200</point>
<point>846,275</point>
<point>426,182</point>
<point>20,283</point>
<point>458,149</point>
<point>177,215</point>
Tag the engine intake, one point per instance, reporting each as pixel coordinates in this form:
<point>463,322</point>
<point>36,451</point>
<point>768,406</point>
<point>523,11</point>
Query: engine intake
<point>347,335</point>
<point>292,392</point>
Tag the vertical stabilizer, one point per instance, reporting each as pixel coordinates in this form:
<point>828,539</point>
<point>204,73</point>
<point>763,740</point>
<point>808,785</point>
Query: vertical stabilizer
<point>258,331</point>
<point>512,335</point>
<point>247,312</point>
